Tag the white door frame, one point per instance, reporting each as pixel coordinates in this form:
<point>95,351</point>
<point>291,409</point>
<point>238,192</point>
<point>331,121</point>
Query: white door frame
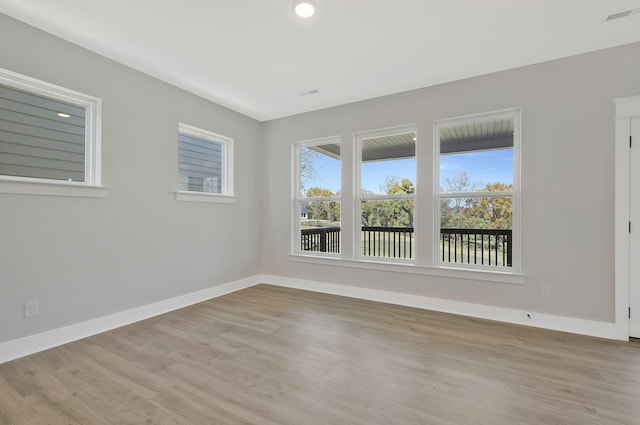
<point>626,109</point>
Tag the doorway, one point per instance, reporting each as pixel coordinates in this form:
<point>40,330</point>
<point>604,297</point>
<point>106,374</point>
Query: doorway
<point>627,217</point>
<point>634,229</point>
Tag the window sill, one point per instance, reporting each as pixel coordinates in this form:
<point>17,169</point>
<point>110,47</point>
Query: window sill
<point>205,197</point>
<point>449,272</point>
<point>46,188</point>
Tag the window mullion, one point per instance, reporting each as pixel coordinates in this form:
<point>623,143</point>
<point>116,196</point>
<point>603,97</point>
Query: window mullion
<point>477,194</point>
<point>314,199</point>
<point>388,197</point>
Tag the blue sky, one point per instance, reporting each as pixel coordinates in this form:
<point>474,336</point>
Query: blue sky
<point>374,173</point>
<point>482,167</point>
<point>327,173</point>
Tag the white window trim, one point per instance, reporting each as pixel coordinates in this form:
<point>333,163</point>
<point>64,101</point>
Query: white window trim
<point>188,196</point>
<point>417,266</point>
<point>296,199</point>
<point>516,261</point>
<point>227,195</point>
<point>358,197</point>
<point>414,269</point>
<point>93,143</point>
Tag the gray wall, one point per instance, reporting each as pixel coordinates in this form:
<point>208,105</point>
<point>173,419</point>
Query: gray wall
<point>567,179</point>
<point>84,258</point>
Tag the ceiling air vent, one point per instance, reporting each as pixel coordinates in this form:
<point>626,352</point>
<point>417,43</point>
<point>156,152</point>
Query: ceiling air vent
<point>619,15</point>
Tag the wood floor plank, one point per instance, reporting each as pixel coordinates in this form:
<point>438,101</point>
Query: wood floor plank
<point>278,356</point>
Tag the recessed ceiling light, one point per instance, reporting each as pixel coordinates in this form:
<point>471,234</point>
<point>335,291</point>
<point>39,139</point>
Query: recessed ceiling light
<point>304,8</point>
<point>63,115</point>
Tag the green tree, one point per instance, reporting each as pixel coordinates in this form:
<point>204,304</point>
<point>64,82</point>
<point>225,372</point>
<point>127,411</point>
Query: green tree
<point>451,208</point>
<point>390,213</point>
<point>497,212</point>
<point>472,212</point>
<point>394,187</point>
<point>319,192</point>
<point>323,210</point>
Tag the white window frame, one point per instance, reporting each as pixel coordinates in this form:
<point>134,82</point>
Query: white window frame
<point>516,263</point>
<point>227,190</point>
<point>296,198</point>
<point>91,186</point>
<point>357,177</point>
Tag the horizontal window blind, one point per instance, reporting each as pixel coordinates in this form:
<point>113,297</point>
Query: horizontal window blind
<point>36,142</point>
<point>200,164</point>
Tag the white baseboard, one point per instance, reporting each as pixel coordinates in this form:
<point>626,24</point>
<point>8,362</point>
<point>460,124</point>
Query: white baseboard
<point>500,314</point>
<point>34,343</point>
<point>21,347</point>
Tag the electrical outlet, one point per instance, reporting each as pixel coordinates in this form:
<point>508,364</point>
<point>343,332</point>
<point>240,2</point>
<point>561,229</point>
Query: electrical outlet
<point>31,308</point>
<point>546,291</point>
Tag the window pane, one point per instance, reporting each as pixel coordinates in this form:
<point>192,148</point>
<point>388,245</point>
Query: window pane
<point>389,164</point>
<point>387,228</point>
<point>200,164</point>
<point>41,137</point>
<point>476,230</point>
<point>320,226</point>
<point>319,177</point>
<point>320,170</point>
<point>477,156</point>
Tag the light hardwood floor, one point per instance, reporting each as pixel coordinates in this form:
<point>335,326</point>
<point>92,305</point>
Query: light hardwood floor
<point>270,355</point>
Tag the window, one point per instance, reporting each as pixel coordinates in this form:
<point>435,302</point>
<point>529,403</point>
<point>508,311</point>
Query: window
<point>474,196</point>
<point>204,165</point>
<point>317,197</point>
<point>477,191</point>
<point>387,164</point>
<point>48,134</point>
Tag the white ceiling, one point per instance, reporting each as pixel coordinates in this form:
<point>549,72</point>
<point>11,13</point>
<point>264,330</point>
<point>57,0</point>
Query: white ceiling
<point>255,57</point>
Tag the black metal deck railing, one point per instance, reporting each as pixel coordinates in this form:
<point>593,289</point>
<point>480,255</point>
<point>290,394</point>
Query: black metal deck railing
<point>390,242</point>
<point>322,239</point>
<point>491,247</point>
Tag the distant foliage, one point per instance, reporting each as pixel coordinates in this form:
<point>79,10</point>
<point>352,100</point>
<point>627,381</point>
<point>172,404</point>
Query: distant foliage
<point>323,210</point>
<point>475,213</point>
<point>469,213</point>
<point>390,213</point>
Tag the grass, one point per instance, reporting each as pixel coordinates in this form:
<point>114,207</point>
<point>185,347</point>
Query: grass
<point>385,245</point>
<point>476,254</point>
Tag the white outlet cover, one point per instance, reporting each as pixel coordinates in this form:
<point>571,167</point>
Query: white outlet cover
<point>31,308</point>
